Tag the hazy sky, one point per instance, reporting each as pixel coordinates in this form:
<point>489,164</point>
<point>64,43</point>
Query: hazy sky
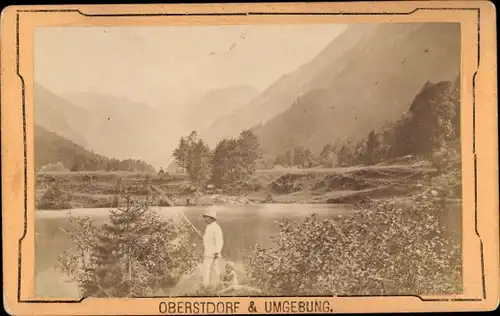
<point>160,65</point>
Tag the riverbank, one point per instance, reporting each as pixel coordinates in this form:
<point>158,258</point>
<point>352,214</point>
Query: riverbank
<point>402,186</point>
<point>349,185</point>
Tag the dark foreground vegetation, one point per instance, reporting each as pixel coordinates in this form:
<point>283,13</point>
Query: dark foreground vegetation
<point>391,246</point>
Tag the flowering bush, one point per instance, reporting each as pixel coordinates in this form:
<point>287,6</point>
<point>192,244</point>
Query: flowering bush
<point>380,249</point>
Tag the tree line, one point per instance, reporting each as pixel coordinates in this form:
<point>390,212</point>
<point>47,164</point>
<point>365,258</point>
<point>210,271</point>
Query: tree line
<point>431,124</point>
<point>106,164</point>
<point>229,165</point>
<point>134,165</point>
<point>98,163</point>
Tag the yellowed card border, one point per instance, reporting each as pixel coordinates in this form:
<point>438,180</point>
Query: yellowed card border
<point>316,10</point>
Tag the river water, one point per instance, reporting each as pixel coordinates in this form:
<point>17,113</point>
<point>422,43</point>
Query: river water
<point>243,226</point>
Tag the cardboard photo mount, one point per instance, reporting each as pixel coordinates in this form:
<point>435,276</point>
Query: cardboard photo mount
<point>480,212</point>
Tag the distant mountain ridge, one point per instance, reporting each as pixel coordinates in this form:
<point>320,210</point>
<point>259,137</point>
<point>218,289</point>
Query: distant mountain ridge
<point>106,124</point>
<point>117,127</point>
<point>279,96</point>
<point>59,115</point>
<point>366,76</point>
<point>203,112</point>
<point>375,83</point>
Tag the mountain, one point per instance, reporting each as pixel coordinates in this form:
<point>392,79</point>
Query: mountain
<point>59,115</point>
<point>110,125</point>
<point>120,128</point>
<point>374,82</point>
<point>52,148</point>
<point>53,152</point>
<point>280,95</point>
<point>366,76</point>
<point>368,66</point>
<point>215,104</point>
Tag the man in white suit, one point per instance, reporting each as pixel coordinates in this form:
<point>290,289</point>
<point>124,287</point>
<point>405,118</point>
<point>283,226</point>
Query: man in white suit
<point>212,242</point>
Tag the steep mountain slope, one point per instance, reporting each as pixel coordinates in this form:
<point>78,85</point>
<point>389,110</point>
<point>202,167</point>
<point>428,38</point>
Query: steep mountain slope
<point>280,95</point>
<point>374,82</point>
<point>59,115</point>
<point>52,148</point>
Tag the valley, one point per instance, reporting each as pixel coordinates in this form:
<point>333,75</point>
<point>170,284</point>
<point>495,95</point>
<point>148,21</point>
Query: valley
<point>357,83</point>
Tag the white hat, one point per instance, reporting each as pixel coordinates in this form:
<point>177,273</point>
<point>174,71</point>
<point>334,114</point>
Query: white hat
<point>211,213</point>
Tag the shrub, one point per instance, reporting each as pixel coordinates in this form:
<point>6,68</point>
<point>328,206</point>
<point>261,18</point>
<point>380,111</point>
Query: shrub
<point>446,159</point>
<point>54,198</point>
<point>381,249</point>
<point>135,254</point>
<point>287,183</point>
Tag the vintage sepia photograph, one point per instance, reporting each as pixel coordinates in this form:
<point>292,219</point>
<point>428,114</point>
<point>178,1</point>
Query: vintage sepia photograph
<point>315,159</point>
<point>249,158</point>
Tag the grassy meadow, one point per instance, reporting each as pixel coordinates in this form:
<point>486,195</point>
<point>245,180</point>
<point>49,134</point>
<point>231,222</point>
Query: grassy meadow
<point>348,185</point>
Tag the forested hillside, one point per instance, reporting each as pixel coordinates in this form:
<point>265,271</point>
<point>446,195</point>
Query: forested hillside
<point>55,152</point>
<point>430,126</point>
<point>373,83</point>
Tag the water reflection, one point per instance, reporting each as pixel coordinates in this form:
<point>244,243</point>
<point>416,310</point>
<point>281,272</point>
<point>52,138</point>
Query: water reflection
<point>243,226</point>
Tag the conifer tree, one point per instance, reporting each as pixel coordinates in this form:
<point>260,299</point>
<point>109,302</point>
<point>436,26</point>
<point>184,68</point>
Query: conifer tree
<point>371,151</point>
<point>133,255</point>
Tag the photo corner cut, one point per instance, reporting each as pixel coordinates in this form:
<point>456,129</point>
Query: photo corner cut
<point>249,158</point>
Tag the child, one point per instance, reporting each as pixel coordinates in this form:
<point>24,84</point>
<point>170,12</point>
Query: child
<point>230,278</point>
<point>231,282</point>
